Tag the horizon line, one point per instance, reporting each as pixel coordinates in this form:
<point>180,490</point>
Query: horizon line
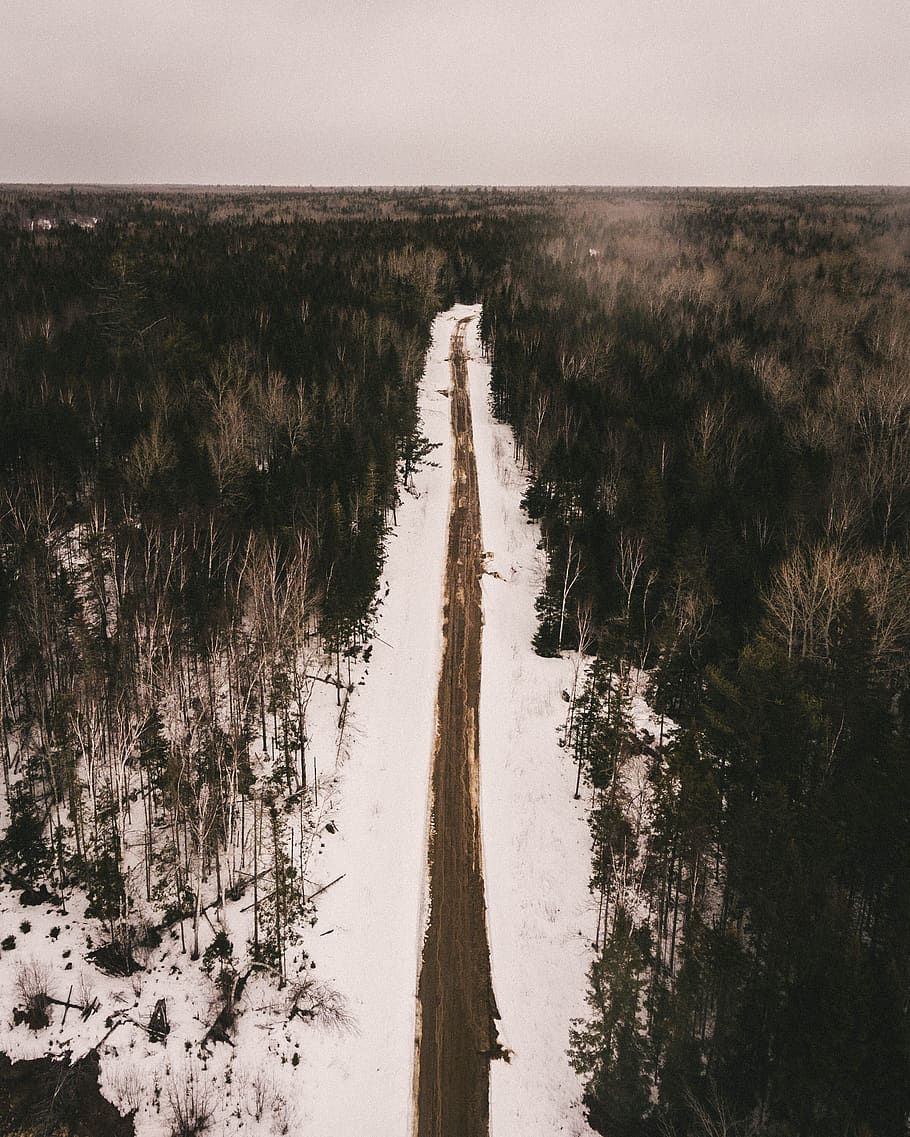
<point>365,187</point>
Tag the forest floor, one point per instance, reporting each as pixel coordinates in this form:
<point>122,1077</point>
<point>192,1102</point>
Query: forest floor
<point>457,1009</point>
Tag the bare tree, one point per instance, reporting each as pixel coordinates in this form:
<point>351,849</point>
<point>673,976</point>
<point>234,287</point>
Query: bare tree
<point>571,577</point>
<point>806,593</point>
<point>631,552</point>
<point>202,820</point>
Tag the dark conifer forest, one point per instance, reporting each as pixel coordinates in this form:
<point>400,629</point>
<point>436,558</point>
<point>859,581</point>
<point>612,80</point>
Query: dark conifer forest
<point>711,392</point>
<point>208,412</point>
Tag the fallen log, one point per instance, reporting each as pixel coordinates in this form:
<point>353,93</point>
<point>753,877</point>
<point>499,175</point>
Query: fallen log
<point>325,887</point>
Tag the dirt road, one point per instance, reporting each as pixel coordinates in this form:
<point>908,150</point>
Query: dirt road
<point>457,1010</point>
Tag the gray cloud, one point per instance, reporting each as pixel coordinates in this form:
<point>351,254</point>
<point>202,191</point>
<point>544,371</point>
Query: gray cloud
<point>615,91</point>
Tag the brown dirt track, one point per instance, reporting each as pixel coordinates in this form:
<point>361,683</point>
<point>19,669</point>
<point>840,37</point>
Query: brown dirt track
<point>456,1006</point>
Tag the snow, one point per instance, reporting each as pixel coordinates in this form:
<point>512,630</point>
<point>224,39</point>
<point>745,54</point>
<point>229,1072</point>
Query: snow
<point>366,937</point>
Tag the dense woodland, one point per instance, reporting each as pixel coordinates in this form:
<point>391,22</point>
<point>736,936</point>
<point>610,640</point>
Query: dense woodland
<point>207,413</point>
<point>711,391</point>
<point>205,420</point>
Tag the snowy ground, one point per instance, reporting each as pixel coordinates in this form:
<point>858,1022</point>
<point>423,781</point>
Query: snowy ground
<point>367,935</point>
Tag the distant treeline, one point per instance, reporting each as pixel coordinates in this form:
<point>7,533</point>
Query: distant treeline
<point>711,391</point>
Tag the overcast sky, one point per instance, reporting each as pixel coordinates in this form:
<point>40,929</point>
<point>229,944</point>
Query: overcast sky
<point>340,92</point>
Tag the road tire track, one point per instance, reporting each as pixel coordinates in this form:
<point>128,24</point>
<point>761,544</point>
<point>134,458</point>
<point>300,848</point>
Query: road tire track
<point>456,1007</point>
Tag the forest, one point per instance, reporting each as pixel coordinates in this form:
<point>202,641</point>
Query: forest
<point>202,425</point>
<point>208,413</point>
<point>710,391</point>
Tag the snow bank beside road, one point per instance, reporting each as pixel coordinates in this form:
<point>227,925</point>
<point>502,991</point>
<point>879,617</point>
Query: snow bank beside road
<point>537,846</point>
